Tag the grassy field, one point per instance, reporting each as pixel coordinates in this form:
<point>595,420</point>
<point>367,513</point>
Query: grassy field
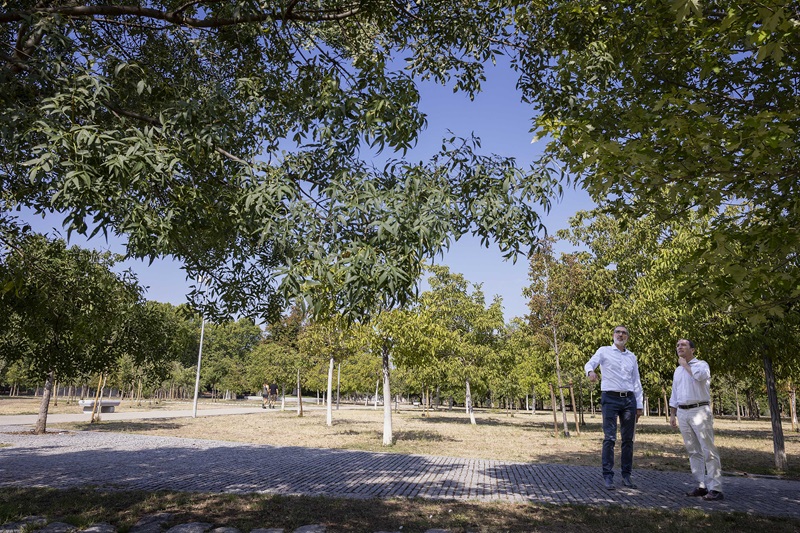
<point>746,447</point>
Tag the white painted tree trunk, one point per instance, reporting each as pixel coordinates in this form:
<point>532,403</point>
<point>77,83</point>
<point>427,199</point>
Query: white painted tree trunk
<point>468,402</point>
<point>329,407</point>
<point>387,404</point>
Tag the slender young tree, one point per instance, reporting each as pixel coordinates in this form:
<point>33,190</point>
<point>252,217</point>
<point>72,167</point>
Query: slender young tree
<point>555,286</point>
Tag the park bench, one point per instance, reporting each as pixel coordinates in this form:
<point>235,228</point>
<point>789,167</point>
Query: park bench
<point>106,406</point>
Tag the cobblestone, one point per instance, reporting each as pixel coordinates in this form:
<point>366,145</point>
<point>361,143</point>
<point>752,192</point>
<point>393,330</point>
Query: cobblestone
<point>143,462</point>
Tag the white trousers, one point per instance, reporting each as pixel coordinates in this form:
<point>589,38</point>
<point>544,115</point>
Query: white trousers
<point>697,428</point>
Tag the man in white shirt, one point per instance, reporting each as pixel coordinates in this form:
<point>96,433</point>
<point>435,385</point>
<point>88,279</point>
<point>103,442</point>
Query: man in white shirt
<point>690,411</point>
<point>622,398</point>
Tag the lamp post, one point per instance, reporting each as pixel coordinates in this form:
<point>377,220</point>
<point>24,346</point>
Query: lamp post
<point>199,358</point>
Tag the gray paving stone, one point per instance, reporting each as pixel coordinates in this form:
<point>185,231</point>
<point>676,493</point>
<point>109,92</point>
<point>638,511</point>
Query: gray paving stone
<point>155,523</point>
<point>313,528</point>
<point>24,524</point>
<point>100,528</point>
<point>268,530</point>
<point>225,530</point>
<point>191,527</point>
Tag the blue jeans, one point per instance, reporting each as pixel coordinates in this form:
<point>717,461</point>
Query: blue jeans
<point>625,409</point>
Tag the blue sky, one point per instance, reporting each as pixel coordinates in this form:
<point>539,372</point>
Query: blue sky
<point>498,118</point>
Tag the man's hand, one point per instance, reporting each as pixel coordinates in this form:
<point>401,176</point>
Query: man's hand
<point>639,414</point>
<point>592,376</point>
<point>673,421</point>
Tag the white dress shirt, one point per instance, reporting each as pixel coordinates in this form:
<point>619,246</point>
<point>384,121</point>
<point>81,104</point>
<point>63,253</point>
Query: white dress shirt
<point>620,371</point>
<point>694,387</point>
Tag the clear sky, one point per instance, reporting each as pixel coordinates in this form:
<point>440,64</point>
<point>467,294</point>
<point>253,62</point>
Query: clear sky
<point>496,116</point>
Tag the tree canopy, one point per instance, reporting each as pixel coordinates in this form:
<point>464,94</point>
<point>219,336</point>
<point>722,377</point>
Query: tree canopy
<point>241,139</point>
<point>662,107</point>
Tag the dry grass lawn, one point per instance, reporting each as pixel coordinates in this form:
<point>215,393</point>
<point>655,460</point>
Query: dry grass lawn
<point>746,446</point>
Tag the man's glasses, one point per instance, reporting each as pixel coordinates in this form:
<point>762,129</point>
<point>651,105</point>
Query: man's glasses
<point>621,332</point>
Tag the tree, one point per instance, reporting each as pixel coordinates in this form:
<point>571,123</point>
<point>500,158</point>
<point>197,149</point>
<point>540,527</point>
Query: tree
<point>239,138</point>
<point>273,362</point>
<point>555,285</point>
<point>225,349</point>
<point>659,301</point>
<point>469,328</point>
<point>327,341</point>
<point>663,108</point>
<point>66,313</point>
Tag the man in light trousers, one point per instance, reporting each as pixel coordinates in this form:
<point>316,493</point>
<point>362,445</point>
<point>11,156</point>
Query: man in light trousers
<point>690,411</point>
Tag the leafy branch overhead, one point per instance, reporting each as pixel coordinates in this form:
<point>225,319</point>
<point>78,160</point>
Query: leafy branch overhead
<point>243,141</point>
<point>664,108</point>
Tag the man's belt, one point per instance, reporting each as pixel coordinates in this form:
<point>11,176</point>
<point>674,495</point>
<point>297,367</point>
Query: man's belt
<point>618,394</point>
<point>692,405</point>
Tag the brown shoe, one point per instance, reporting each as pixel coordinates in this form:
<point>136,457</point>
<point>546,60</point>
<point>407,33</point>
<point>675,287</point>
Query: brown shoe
<point>699,491</point>
<point>714,496</point>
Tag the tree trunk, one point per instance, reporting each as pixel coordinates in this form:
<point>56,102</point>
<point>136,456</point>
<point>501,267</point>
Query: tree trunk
<point>98,397</point>
<point>338,385</point>
<point>738,406</point>
<point>574,410</point>
<point>375,404</point>
<point>329,417</point>
<point>793,407</point>
<point>468,402</point>
<point>299,396</point>
<point>560,386</point>
<point>555,409</point>
<point>775,416</point>
<point>44,406</point>
<point>387,404</point>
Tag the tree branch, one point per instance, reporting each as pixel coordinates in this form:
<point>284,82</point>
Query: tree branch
<point>176,17</point>
<point>154,122</point>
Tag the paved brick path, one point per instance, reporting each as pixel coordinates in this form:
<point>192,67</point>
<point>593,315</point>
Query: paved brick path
<point>127,461</point>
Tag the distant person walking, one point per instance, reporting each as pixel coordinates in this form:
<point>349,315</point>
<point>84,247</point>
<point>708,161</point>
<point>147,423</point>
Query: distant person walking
<point>621,398</point>
<point>273,394</point>
<point>264,395</point>
<point>690,411</point>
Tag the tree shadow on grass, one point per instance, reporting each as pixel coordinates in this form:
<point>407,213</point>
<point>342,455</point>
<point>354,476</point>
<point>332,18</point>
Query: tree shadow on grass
<point>127,426</point>
<point>438,418</point>
<point>423,436</point>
